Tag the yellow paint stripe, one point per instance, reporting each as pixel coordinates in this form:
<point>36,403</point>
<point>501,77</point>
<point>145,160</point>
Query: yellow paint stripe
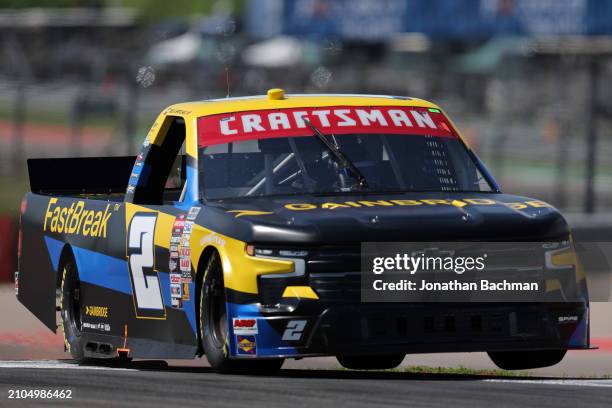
<point>203,108</point>
<point>241,213</point>
<point>163,228</point>
<point>302,292</point>
<point>458,203</point>
<point>158,131</point>
<point>191,140</point>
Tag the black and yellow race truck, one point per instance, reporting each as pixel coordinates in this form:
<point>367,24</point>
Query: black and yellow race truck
<point>235,233</point>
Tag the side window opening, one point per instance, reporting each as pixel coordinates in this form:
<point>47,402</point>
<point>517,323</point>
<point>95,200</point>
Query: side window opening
<point>163,175</point>
<point>175,186</point>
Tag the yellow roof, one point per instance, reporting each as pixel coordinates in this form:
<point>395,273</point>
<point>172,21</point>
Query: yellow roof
<point>261,102</point>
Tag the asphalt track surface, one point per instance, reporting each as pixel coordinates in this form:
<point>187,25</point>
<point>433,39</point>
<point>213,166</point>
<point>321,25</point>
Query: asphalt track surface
<point>155,384</point>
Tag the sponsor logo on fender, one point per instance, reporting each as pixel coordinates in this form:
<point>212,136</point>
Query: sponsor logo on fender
<point>212,238</point>
<point>246,345</point>
<point>76,219</point>
<point>244,326</point>
<point>96,311</point>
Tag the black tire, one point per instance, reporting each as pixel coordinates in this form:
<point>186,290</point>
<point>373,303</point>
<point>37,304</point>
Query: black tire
<point>71,311</point>
<point>382,362</point>
<point>214,330</point>
<point>524,360</point>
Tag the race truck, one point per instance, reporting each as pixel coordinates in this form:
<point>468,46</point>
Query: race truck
<point>235,233</point>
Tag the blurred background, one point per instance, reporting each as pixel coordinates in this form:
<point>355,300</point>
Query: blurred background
<point>528,82</point>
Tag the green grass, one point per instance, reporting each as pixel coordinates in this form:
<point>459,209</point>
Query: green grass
<point>459,371</point>
<point>473,372</point>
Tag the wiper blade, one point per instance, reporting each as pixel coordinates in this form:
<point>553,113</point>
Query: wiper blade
<point>335,150</point>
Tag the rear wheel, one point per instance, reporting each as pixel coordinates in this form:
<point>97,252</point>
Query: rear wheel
<point>71,311</point>
<point>214,327</point>
<point>523,360</point>
<point>371,362</point>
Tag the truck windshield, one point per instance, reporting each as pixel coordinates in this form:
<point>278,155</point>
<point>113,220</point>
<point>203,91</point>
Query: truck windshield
<point>304,165</point>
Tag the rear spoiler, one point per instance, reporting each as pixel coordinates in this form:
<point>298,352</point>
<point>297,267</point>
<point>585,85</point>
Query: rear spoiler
<point>80,175</point>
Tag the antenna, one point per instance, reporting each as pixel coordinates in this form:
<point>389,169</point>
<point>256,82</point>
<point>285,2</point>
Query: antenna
<point>227,82</point>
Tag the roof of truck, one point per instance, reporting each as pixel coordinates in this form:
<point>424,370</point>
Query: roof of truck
<point>277,99</point>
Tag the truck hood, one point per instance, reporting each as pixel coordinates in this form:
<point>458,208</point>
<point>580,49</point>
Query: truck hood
<point>345,219</point>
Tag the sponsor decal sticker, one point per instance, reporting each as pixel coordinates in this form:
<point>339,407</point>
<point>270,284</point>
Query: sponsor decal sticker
<point>185,291</point>
<point>185,252</point>
<point>237,126</point>
<point>76,219</point>
<point>212,238</point>
<point>193,213</point>
<point>567,319</point>
<point>176,287</point>
<point>96,311</point>
<point>105,327</point>
<point>175,290</point>
<point>247,345</point>
<point>245,326</point>
<point>185,265</point>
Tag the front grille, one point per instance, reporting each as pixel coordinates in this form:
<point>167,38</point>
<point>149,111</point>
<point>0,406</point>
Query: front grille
<point>337,286</point>
<point>333,273</point>
<point>334,259</point>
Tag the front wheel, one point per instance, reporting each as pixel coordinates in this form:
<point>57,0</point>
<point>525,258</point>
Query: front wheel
<point>524,360</point>
<point>214,327</point>
<point>382,362</point>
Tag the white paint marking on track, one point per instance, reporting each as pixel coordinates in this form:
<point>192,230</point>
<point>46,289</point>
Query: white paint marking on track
<point>573,382</point>
<point>56,364</point>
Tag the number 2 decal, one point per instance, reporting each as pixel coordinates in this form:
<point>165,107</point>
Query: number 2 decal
<point>146,287</point>
<point>294,330</point>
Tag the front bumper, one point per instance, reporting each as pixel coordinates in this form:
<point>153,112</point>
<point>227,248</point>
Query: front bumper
<point>314,328</point>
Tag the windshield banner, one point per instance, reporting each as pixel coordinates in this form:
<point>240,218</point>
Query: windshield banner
<point>248,125</point>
